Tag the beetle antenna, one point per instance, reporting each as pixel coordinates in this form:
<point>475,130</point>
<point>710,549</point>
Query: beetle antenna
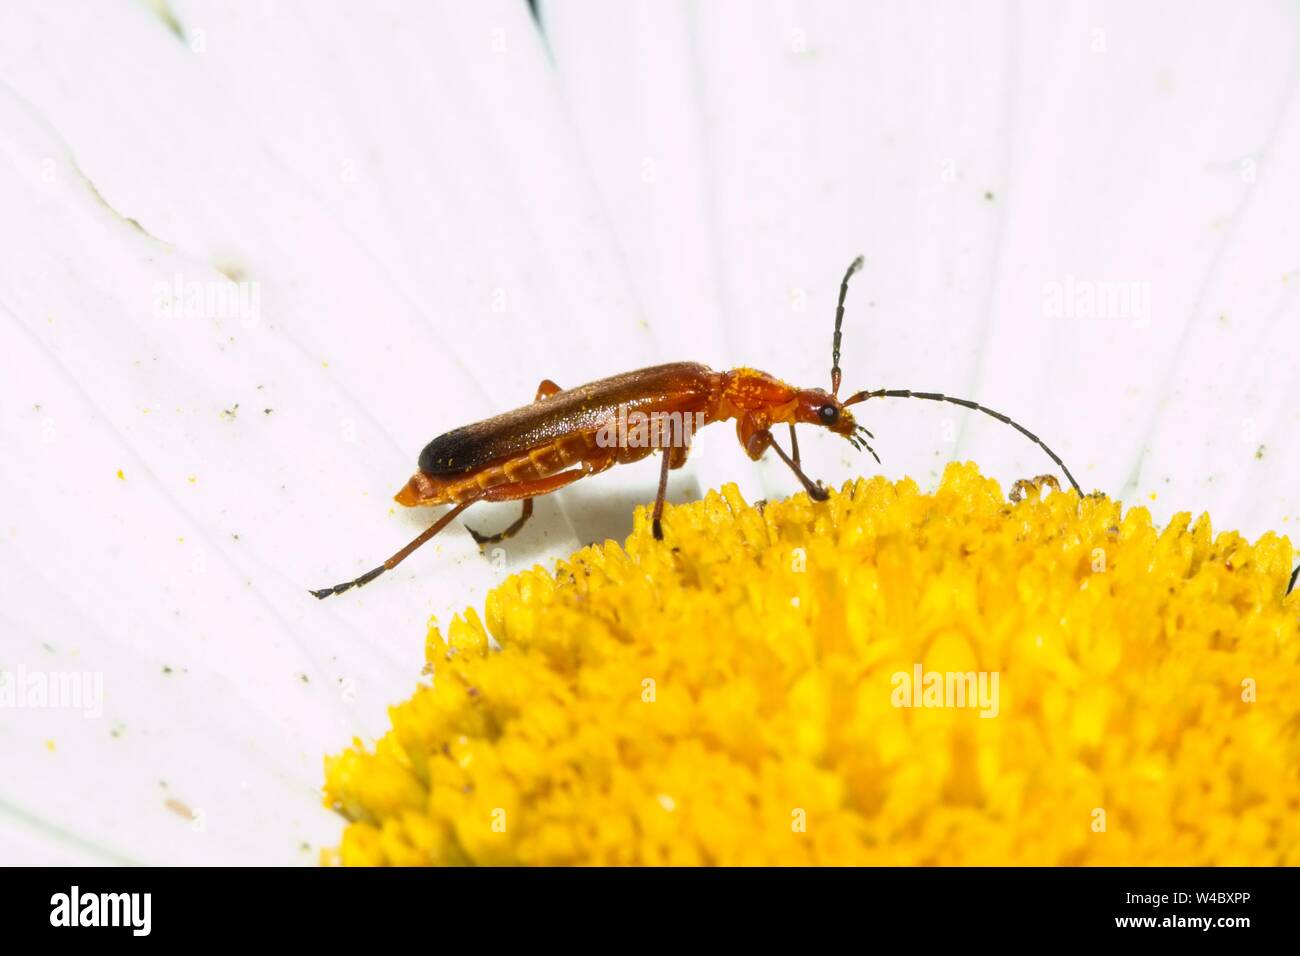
<point>966,403</point>
<point>854,266</point>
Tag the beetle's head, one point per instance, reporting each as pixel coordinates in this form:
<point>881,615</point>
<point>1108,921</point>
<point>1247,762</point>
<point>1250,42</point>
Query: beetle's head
<point>817,406</point>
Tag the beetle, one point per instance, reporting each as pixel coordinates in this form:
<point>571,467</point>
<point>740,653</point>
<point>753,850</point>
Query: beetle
<point>568,434</point>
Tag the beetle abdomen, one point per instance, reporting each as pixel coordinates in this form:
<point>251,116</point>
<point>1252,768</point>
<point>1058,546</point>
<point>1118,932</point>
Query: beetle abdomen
<point>573,450</point>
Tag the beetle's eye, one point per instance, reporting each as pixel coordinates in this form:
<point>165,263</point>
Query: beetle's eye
<point>829,414</point>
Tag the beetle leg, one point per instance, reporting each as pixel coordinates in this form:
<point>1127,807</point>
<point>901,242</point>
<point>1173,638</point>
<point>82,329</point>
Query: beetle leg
<point>794,446</point>
<point>532,489</point>
<point>747,433</point>
<point>546,390</point>
<point>762,440</point>
<point>399,557</point>
<point>527,490</point>
<point>659,498</point>
<point>482,539</point>
<point>674,458</point>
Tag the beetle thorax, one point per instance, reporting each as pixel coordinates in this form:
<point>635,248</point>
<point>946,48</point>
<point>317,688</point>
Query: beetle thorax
<point>748,392</point>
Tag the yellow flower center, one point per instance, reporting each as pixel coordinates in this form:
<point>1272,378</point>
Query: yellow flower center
<point>888,677</point>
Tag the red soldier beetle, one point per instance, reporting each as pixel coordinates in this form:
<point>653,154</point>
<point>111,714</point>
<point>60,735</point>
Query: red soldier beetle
<point>540,448</point>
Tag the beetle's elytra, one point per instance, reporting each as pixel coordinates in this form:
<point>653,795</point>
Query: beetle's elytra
<point>564,435</point>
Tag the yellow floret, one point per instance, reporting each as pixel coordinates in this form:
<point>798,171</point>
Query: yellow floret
<point>731,695</point>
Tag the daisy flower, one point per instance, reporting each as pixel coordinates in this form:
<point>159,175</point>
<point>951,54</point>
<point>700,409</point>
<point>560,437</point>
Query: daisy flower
<point>256,256</point>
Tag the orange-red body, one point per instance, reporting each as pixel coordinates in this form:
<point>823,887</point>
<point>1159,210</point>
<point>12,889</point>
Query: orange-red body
<point>564,435</point>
